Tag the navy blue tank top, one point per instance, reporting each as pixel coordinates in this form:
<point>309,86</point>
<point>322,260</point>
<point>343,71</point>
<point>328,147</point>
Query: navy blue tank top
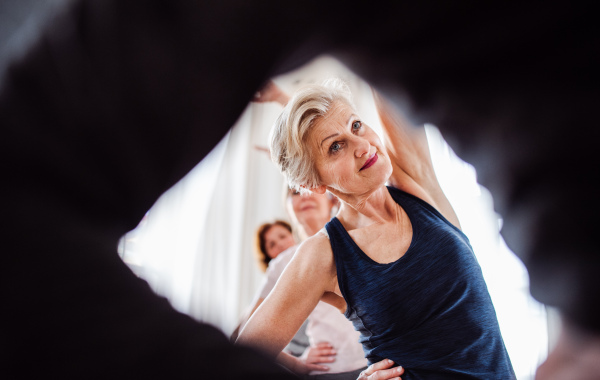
<point>429,311</point>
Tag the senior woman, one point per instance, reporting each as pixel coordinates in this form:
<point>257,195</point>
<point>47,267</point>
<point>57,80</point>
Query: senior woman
<point>393,260</point>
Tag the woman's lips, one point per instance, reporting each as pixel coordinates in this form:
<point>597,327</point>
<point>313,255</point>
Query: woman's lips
<point>370,161</point>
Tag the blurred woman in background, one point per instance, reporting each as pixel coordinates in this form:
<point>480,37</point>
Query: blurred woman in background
<point>270,240</point>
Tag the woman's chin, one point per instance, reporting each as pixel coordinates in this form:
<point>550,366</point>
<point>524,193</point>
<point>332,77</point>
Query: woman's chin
<point>311,217</point>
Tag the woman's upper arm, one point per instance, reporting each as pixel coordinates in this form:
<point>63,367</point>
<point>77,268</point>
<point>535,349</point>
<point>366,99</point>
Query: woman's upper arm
<point>405,144</point>
<point>300,287</point>
<point>408,150</point>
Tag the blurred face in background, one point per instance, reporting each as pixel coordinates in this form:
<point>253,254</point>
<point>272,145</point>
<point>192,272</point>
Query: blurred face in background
<point>310,209</point>
<point>277,240</point>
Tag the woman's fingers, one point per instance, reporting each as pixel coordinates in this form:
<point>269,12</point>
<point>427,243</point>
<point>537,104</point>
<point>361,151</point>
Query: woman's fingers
<point>320,359</point>
<point>387,374</point>
<point>384,364</point>
<point>322,352</point>
<point>321,355</point>
<point>325,352</point>
<point>317,367</point>
<point>381,371</point>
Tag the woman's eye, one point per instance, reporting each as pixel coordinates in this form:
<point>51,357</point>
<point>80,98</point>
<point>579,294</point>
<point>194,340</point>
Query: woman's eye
<point>335,147</point>
<point>356,125</point>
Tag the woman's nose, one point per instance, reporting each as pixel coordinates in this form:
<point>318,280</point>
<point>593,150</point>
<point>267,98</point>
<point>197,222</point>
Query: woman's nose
<point>281,245</point>
<point>362,147</point>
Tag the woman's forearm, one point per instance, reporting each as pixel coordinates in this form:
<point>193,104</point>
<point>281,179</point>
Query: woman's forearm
<point>300,287</point>
<point>290,362</point>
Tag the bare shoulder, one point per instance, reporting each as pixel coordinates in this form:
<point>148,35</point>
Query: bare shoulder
<point>315,249</point>
<point>315,257</point>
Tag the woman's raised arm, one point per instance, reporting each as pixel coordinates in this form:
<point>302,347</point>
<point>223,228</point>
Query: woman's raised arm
<point>408,150</point>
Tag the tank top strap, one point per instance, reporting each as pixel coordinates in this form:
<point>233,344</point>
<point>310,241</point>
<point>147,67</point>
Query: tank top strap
<point>346,255</point>
<point>341,242</point>
<point>416,208</point>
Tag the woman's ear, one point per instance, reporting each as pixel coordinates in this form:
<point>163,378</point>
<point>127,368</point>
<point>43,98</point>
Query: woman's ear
<point>321,189</point>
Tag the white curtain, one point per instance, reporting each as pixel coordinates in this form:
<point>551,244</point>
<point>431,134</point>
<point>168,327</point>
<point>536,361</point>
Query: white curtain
<point>195,245</point>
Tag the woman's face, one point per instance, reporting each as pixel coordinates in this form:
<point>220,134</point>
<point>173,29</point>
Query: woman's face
<point>310,207</point>
<point>277,240</point>
<point>349,156</point>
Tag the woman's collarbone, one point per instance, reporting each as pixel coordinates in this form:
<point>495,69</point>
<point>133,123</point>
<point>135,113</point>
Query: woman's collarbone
<point>383,243</point>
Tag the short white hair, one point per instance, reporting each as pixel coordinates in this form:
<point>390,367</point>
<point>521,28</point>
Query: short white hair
<point>289,134</point>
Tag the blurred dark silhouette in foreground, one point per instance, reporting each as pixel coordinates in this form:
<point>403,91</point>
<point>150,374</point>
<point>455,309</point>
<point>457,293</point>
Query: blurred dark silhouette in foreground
<point>115,101</point>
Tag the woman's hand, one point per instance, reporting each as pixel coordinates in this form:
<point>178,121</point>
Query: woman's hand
<point>299,365</point>
<point>382,371</point>
<point>271,93</point>
<point>323,352</point>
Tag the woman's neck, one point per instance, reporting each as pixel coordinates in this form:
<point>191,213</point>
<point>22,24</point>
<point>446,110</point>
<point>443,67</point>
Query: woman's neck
<point>312,226</point>
<point>377,207</point>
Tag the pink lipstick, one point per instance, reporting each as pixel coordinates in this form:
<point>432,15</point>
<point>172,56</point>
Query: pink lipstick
<point>370,161</point>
